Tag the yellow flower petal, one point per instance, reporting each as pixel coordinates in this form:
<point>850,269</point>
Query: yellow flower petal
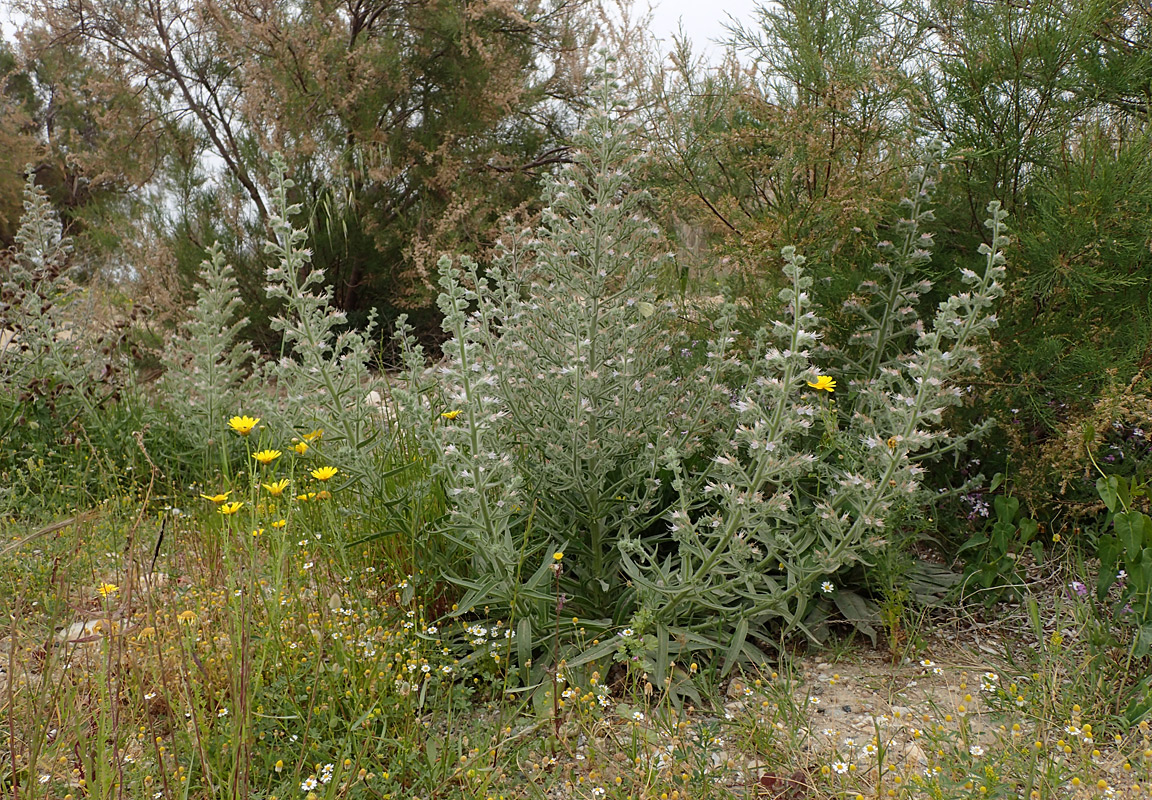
<point>324,473</point>
<point>266,457</point>
<point>243,425</point>
<point>276,488</point>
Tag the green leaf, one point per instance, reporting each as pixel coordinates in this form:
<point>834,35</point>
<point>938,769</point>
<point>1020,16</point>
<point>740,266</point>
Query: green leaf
<point>736,645</point>
<point>1106,487</point>
<point>1140,706</point>
<point>1034,617</point>
<point>1123,492</point>
<point>1028,529</point>
<point>1002,535</point>
<point>1129,527</point>
<point>478,595</point>
<point>997,480</point>
<point>524,647</point>
<point>1143,643</point>
<point>594,653</point>
<point>1006,508</point>
<point>975,541</point>
<point>661,653</point>
<point>858,611</point>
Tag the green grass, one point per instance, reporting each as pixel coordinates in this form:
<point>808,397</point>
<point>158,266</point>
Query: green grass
<point>230,638</point>
<point>287,664</point>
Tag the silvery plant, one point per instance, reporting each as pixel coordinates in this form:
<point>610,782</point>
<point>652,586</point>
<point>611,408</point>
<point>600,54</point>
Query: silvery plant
<point>44,353</point>
<point>558,395</point>
<point>322,377</point>
<point>207,365</point>
<point>802,487</point>
<point>697,511</point>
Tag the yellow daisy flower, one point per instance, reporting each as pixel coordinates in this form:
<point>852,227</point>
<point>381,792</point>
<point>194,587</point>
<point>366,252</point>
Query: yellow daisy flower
<point>280,523</point>
<point>300,447</point>
<point>217,498</point>
<point>451,414</point>
<point>314,435</point>
<point>304,498</point>
<point>243,425</point>
<point>186,617</point>
<point>823,383</point>
<point>106,589</point>
<point>231,508</point>
<point>324,473</point>
<point>276,488</point>
<point>266,457</point>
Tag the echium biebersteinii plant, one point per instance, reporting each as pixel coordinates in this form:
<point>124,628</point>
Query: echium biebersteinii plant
<point>206,364</point>
<point>879,356</point>
<point>560,364</point>
<point>323,372</point>
<point>42,353</point>
<point>460,424</point>
<point>799,492</point>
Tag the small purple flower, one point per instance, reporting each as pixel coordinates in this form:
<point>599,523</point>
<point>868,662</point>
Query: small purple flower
<point>1078,588</point>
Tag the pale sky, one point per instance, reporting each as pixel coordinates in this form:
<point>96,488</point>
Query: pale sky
<point>703,20</point>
